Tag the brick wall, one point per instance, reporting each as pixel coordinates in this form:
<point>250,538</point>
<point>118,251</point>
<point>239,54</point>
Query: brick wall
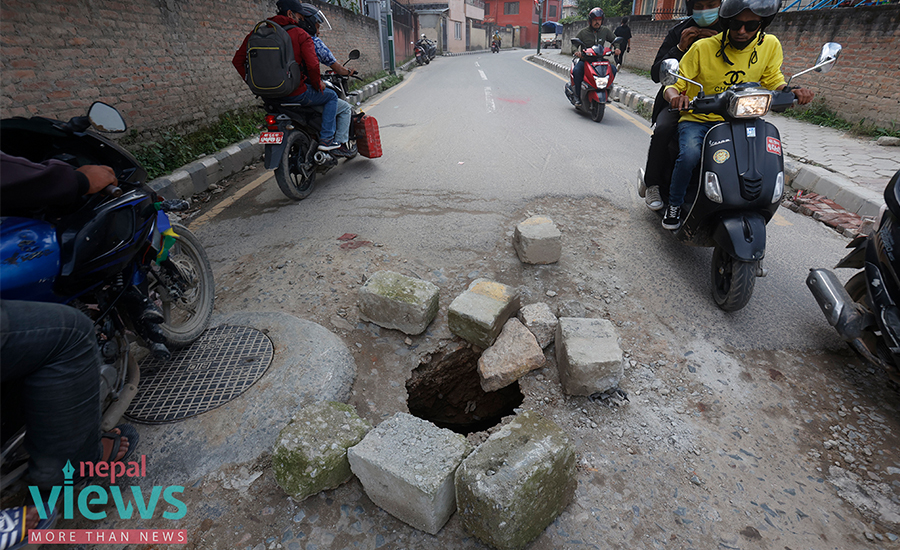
<point>864,84</point>
<point>160,62</point>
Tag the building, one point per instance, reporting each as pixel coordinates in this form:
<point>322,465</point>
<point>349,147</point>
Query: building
<point>455,25</point>
<point>517,21</point>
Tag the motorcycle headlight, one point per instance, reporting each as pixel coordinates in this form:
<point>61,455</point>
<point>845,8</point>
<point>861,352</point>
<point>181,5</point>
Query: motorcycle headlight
<point>601,81</point>
<point>750,103</point>
<point>711,187</point>
<point>779,187</point>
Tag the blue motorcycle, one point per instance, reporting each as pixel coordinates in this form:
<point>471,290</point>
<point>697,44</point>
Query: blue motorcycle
<point>101,254</point>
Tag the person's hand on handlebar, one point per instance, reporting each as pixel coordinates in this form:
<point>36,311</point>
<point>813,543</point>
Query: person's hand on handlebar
<point>99,177</point>
<point>677,100</point>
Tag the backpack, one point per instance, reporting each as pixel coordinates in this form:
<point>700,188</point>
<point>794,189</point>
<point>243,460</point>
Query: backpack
<point>272,70</point>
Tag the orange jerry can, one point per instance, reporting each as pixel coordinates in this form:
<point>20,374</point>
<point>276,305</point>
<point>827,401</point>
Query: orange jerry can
<point>368,141</point>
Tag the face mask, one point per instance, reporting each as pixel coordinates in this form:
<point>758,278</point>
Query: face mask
<point>705,18</point>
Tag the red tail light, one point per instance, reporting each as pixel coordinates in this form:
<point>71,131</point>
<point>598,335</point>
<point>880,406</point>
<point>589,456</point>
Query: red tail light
<point>271,123</point>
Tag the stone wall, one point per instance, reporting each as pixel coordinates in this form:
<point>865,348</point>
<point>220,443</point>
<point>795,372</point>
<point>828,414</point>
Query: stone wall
<point>864,83</point>
<point>160,62</point>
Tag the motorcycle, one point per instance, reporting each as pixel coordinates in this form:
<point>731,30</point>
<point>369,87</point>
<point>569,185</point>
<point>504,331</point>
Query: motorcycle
<point>741,175</point>
<point>421,55</point>
<point>111,245</point>
<point>495,46</point>
<point>864,312</point>
<point>291,138</point>
<point>597,84</point>
<point>429,47</point>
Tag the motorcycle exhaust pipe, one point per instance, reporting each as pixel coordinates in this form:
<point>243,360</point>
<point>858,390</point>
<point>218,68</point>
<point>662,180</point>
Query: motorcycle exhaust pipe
<point>321,157</point>
<point>115,411</point>
<point>836,304</point>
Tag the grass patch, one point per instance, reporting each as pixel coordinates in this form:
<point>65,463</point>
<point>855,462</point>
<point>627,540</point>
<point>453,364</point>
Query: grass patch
<point>639,72</point>
<point>173,149</point>
<point>820,114</point>
<point>392,80</point>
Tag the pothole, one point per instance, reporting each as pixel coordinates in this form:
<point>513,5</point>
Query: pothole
<point>445,390</point>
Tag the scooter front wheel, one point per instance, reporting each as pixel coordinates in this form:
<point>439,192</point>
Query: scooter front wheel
<point>732,280</point>
<point>296,177</point>
<point>597,111</point>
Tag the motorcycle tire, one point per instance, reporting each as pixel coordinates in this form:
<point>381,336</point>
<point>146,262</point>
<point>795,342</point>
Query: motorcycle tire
<point>732,280</point>
<point>598,109</point>
<point>187,315</point>
<point>296,175</point>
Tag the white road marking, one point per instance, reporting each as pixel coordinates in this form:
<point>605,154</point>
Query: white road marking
<point>489,99</point>
<point>483,76</point>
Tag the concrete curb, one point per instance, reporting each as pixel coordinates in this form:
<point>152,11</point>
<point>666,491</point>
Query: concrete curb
<point>798,175</point>
<point>197,176</point>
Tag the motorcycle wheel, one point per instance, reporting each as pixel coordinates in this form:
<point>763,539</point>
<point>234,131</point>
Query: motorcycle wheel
<point>856,287</point>
<point>597,111</point>
<point>295,177</point>
<point>187,311</point>
<point>732,280</point>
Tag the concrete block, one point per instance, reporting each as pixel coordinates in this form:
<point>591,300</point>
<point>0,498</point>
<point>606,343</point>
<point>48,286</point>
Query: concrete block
<point>538,241</point>
<point>225,160</point>
<point>540,320</point>
<point>517,482</point>
<point>406,466</point>
<point>310,454</point>
<point>514,354</point>
<point>181,184</point>
<point>807,177</point>
<point>395,301</point>
<point>588,355</point>
<point>478,314</point>
<point>198,176</point>
<point>213,170</point>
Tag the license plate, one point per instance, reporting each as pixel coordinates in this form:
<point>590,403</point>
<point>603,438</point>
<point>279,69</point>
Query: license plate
<point>271,138</point>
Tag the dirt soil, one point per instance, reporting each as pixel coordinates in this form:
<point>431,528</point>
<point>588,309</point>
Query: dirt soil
<point>715,447</point>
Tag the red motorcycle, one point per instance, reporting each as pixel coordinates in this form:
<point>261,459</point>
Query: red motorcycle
<point>598,79</point>
<point>421,55</point>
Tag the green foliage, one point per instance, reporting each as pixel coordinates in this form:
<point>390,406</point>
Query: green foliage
<point>611,8</point>
<point>392,80</point>
<point>819,113</point>
<point>172,148</point>
<point>351,5</point>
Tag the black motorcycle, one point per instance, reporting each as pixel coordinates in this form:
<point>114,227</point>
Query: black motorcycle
<point>864,312</point>
<point>740,180</point>
<point>495,46</point>
<point>291,139</point>
<point>111,250</point>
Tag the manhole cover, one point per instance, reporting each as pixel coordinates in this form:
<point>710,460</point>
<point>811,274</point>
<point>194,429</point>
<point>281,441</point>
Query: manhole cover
<point>221,365</point>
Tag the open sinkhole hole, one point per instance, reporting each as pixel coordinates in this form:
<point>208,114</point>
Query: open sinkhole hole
<point>446,390</point>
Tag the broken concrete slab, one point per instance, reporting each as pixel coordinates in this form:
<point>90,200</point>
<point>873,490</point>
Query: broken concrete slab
<point>478,314</point>
<point>395,301</point>
<point>310,454</point>
<point>588,355</point>
<point>517,482</point>
<point>515,353</point>
<point>538,241</point>
<point>406,466</point>
<point>541,321</point>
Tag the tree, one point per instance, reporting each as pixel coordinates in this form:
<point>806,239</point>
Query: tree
<point>611,8</point>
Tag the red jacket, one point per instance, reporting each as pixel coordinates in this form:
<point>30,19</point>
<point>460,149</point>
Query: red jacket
<point>304,53</point>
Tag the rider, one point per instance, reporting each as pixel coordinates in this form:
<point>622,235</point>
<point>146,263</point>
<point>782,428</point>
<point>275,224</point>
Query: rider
<point>702,23</point>
<point>312,92</point>
<point>594,33</point>
<point>743,53</point>
<point>496,38</point>
<point>312,20</point>
<point>49,360</point>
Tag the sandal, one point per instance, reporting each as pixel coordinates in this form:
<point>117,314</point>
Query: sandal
<point>125,430</point>
<point>13,534</point>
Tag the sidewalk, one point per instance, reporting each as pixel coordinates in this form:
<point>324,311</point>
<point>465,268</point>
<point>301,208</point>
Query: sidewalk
<point>850,171</point>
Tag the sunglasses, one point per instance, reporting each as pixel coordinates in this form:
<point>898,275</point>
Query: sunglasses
<point>751,26</point>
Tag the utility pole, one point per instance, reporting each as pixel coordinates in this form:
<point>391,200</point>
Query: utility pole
<point>540,7</point>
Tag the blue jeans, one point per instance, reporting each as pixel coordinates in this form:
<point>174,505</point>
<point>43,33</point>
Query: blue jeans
<point>690,146</point>
<point>49,359</point>
<point>328,100</point>
<point>342,122</point>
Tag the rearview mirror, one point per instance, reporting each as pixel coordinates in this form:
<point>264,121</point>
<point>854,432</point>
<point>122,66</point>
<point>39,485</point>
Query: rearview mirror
<point>829,56</point>
<point>668,71</point>
<point>354,54</point>
<point>106,118</point>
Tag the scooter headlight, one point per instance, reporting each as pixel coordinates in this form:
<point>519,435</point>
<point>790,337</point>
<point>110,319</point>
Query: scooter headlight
<point>779,187</point>
<point>601,81</point>
<point>711,187</point>
<point>750,103</point>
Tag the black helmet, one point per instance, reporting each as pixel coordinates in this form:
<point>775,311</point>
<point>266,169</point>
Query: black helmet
<point>311,16</point>
<point>766,9</point>
<point>595,13</point>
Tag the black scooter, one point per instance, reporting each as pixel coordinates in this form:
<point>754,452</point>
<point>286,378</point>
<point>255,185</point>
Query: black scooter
<point>864,312</point>
<point>741,175</point>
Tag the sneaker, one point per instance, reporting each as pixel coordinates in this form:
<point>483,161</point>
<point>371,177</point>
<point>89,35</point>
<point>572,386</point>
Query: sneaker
<point>345,150</point>
<point>672,219</point>
<point>328,145</point>
<point>653,199</point>
<point>642,185</point>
